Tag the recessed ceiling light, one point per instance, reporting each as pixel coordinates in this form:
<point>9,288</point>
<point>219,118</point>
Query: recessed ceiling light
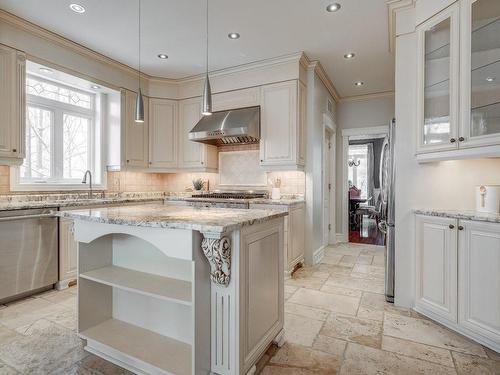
<point>233,36</point>
<point>349,55</point>
<point>77,8</point>
<point>163,56</point>
<point>46,70</point>
<point>359,83</point>
<point>333,7</point>
<point>490,79</point>
<point>95,87</point>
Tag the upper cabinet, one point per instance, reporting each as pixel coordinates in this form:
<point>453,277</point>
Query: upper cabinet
<point>458,108</point>
<point>12,105</point>
<point>136,153</point>
<point>282,126</point>
<point>193,155</point>
<point>163,133</point>
<point>236,99</point>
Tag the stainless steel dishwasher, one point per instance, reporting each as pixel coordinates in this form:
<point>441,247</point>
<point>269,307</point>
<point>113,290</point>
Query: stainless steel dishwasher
<point>28,251</point>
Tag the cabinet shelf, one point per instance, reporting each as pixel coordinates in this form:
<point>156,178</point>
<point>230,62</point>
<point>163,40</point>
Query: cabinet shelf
<point>152,349</point>
<point>161,287</point>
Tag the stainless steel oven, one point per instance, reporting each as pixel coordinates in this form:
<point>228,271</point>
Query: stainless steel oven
<point>28,251</point>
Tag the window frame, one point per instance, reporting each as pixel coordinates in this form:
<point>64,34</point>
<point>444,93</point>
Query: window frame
<point>95,131</point>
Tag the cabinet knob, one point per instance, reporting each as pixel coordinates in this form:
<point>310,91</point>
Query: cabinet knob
<point>261,160</point>
<point>451,226</point>
<point>460,227</point>
<point>453,140</point>
<point>14,150</point>
<point>128,161</point>
<point>461,139</point>
<point>201,163</point>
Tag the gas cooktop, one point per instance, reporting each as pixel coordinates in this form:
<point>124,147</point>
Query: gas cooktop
<point>231,194</point>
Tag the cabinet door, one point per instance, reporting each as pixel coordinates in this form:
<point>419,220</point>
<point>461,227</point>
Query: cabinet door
<point>12,104</point>
<point>193,155</point>
<point>236,99</point>
<point>436,266</point>
<point>279,124</point>
<point>136,133</point>
<point>67,250</point>
<point>163,138</point>
<point>297,234</point>
<point>480,73</point>
<point>479,278</point>
<point>301,125</point>
<point>438,82</point>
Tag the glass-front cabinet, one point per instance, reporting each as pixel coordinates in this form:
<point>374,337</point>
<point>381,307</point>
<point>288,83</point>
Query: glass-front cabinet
<point>459,81</point>
<point>480,105</point>
<point>438,76</point>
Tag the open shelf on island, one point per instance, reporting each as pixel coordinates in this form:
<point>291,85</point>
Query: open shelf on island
<point>168,355</point>
<point>166,288</point>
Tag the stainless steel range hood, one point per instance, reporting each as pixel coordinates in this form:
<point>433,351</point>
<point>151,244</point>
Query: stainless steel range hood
<point>237,126</point>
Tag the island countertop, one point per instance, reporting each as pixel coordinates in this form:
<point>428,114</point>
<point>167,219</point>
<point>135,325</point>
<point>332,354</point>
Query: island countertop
<point>202,219</point>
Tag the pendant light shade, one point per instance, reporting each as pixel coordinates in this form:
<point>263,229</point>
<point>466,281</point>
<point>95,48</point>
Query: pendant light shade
<point>206,108</point>
<point>207,98</point>
<point>139,102</point>
<point>139,107</point>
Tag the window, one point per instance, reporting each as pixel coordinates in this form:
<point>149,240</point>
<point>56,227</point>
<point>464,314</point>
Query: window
<point>61,134</point>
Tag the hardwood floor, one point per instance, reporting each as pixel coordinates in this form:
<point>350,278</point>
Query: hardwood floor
<point>368,233</point>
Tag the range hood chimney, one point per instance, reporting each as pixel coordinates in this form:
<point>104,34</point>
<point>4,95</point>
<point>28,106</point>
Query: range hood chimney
<point>237,126</point>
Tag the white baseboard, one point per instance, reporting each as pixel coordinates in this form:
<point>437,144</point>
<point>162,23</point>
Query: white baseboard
<point>318,255</point>
<point>341,238</point>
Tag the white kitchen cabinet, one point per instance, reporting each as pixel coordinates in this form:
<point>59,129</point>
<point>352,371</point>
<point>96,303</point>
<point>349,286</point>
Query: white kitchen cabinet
<point>12,105</point>
<point>458,98</point>
<point>282,126</point>
<point>136,152</point>
<point>163,138</point>
<point>194,156</point>
<point>236,99</point>
<point>436,266</point>
<point>294,241</point>
<point>67,253</point>
<point>479,279</point>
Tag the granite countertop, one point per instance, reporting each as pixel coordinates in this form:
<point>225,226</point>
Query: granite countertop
<point>461,214</point>
<point>72,200</point>
<point>284,201</point>
<point>213,220</point>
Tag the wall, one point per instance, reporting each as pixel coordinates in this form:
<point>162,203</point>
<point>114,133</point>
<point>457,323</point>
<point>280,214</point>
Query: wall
<point>378,111</point>
<point>317,96</point>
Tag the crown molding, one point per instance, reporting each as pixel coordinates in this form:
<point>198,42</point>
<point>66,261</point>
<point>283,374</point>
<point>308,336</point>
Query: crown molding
<point>50,36</point>
<point>376,95</point>
<point>318,69</point>
<point>393,6</point>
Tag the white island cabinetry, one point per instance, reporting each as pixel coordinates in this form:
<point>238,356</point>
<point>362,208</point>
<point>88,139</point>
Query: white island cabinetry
<point>159,294</point>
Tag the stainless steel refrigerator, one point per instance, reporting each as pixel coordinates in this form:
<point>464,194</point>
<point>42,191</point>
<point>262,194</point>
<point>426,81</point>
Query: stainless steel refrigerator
<point>386,225</point>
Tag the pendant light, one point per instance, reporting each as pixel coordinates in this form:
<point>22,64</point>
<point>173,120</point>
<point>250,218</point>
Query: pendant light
<point>207,91</point>
<point>139,103</point>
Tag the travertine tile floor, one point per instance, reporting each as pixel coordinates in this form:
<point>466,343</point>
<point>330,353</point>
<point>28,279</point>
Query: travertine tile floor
<point>336,322</point>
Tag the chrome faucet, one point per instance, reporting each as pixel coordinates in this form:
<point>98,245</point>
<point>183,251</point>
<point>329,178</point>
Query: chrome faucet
<point>84,181</point>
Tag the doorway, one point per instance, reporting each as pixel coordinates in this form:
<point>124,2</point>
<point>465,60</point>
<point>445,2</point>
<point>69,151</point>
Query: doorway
<point>363,208</point>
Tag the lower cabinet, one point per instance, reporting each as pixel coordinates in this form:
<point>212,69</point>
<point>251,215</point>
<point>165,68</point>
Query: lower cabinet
<point>457,276</point>
<point>294,241</point>
<point>67,253</point>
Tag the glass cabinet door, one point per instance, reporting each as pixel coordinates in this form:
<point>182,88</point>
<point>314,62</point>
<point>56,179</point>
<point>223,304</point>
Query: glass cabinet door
<point>438,79</point>
<point>481,121</point>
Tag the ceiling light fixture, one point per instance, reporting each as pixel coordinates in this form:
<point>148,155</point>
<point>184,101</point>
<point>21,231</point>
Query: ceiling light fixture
<point>95,87</point>
<point>206,108</point>
<point>163,56</point>
<point>333,7</point>
<point>233,36</point>
<point>46,70</point>
<point>139,103</point>
<point>77,8</point>
<point>359,83</point>
<point>349,55</point>
<point>490,79</point>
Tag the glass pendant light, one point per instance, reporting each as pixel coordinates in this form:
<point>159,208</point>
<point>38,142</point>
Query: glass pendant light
<point>207,90</point>
<point>139,103</point>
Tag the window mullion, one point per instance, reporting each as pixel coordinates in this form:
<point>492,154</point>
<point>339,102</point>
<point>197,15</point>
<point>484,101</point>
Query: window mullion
<point>58,153</point>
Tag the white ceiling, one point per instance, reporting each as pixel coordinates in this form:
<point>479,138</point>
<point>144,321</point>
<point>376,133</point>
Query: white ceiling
<point>268,28</point>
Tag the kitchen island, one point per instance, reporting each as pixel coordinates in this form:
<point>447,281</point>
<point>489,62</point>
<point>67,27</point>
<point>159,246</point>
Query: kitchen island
<point>180,290</point>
